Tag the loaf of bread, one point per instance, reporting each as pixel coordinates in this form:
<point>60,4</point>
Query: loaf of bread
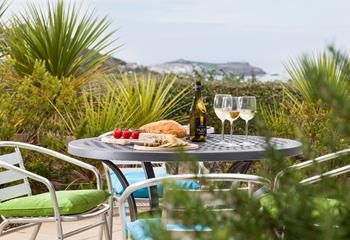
<point>166,127</point>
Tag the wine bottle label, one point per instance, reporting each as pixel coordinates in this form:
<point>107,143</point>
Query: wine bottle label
<point>201,129</point>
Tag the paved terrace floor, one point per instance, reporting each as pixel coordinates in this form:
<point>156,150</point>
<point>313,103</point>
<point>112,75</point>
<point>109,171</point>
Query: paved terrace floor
<point>48,231</point>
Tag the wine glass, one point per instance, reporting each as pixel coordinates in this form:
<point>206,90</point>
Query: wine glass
<point>247,108</point>
<point>218,108</point>
<point>231,109</point>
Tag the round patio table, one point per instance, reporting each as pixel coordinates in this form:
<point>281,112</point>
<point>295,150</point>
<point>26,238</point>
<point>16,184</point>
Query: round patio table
<point>212,150</point>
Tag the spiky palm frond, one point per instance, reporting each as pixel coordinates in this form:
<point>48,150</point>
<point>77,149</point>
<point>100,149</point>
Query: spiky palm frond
<point>308,70</point>
<point>130,102</point>
<point>146,95</point>
<point>3,7</point>
<point>70,46</point>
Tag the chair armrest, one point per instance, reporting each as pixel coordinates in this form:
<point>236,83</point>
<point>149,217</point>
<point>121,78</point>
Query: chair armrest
<point>56,155</point>
<point>37,178</point>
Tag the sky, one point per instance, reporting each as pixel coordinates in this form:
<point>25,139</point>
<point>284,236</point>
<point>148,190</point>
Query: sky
<point>265,33</point>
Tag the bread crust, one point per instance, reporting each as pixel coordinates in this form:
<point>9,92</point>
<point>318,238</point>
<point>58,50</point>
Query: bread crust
<point>166,127</point>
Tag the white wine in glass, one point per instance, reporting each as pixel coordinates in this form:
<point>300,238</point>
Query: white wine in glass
<point>247,108</point>
<point>231,107</point>
<point>219,111</point>
<point>247,114</point>
<point>234,115</point>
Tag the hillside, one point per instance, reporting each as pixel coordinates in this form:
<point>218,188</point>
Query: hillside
<point>186,67</point>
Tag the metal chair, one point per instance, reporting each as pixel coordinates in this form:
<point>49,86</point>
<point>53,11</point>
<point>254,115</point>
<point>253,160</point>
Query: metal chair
<point>184,233</point>
<point>316,178</point>
<point>135,167</point>
<point>126,167</point>
<point>14,173</point>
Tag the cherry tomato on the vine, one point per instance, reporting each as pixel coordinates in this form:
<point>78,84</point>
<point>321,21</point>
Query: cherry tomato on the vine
<point>135,134</point>
<point>126,134</point>
<point>117,133</point>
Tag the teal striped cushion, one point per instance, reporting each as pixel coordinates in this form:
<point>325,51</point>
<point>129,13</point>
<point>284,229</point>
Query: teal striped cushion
<point>140,229</point>
<point>137,176</point>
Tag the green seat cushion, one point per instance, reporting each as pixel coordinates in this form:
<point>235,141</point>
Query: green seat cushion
<point>322,206</point>
<point>69,202</point>
<point>268,202</point>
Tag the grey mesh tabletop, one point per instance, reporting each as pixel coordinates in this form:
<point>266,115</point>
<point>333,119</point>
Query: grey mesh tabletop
<point>211,150</point>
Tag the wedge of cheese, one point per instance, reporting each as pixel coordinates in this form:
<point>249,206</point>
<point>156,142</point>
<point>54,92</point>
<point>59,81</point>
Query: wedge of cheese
<point>152,137</point>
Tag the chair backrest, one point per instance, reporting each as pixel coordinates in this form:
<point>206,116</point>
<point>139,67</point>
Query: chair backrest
<point>127,166</point>
<point>13,184</point>
<point>207,198</point>
<point>171,214</point>
<point>329,174</point>
<point>313,162</point>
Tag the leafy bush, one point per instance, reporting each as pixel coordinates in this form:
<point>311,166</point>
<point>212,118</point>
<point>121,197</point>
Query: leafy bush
<point>27,115</point>
<point>266,93</point>
<point>27,100</point>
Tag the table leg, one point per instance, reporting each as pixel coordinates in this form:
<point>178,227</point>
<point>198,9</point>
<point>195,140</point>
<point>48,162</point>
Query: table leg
<point>124,182</point>
<point>239,167</point>
<point>152,191</point>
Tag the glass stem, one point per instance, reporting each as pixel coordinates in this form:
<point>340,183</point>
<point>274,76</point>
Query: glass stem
<point>231,139</point>
<point>222,129</point>
<point>246,131</point>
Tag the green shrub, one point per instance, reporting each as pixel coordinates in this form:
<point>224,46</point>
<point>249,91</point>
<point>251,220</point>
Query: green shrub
<point>26,114</point>
<point>266,93</point>
<point>28,101</point>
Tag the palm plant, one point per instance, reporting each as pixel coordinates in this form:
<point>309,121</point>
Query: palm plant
<point>331,65</point>
<point>69,45</point>
<point>3,7</point>
<point>99,113</point>
<point>128,102</point>
<point>151,98</point>
<point>275,117</point>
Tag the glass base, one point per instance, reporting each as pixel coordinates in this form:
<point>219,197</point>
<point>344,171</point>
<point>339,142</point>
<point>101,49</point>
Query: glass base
<point>247,144</point>
<point>232,145</point>
<point>222,142</point>
<point>229,144</point>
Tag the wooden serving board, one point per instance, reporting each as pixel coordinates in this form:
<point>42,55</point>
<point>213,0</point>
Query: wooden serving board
<point>189,146</point>
<point>120,141</point>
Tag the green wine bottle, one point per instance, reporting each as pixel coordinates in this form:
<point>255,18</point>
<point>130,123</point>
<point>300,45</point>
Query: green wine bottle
<point>198,123</point>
